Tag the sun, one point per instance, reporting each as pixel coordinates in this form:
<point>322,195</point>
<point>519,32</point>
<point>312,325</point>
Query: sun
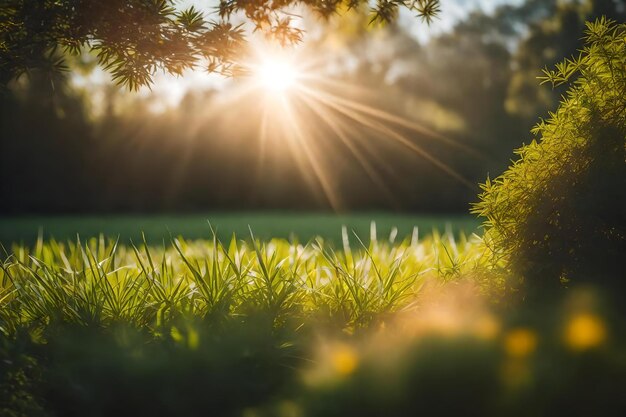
<point>277,75</point>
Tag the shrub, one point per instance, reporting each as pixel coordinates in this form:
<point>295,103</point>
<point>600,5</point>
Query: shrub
<point>557,215</point>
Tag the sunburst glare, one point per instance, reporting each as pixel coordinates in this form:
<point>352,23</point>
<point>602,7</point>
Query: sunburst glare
<point>305,111</point>
<point>298,101</point>
<point>277,75</point>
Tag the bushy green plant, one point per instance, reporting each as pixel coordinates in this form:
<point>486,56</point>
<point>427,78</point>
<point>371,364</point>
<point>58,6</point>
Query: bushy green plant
<point>558,214</point>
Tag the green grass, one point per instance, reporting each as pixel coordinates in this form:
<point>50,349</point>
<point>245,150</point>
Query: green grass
<point>257,327</point>
<point>266,225</point>
<point>101,281</point>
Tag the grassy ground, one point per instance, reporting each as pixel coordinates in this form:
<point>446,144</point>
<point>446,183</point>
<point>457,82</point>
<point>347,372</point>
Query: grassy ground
<point>276,329</point>
<point>265,225</point>
<point>273,328</point>
<point>99,281</point>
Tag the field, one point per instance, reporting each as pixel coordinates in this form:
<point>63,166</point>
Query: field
<point>268,327</point>
<point>265,225</point>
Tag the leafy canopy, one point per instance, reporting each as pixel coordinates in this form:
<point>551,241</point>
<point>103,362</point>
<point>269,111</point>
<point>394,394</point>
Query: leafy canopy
<point>134,38</point>
<point>558,214</point>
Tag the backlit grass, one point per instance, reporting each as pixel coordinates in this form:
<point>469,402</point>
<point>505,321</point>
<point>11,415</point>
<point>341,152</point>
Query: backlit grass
<point>101,281</point>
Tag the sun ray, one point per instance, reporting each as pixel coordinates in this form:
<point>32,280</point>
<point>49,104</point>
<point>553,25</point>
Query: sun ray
<point>334,124</point>
<point>263,138</point>
<point>386,116</point>
<point>397,137</point>
<point>318,171</point>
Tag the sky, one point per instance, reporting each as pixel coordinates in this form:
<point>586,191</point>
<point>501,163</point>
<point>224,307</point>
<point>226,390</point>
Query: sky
<point>451,12</point>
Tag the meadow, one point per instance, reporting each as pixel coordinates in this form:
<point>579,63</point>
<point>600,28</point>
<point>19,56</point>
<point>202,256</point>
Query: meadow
<point>270,327</point>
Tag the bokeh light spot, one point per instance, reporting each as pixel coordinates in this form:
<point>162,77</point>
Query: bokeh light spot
<point>520,342</point>
<point>585,331</point>
<point>345,359</point>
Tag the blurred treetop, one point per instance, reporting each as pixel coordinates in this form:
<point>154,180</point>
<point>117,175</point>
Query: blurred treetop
<point>132,39</point>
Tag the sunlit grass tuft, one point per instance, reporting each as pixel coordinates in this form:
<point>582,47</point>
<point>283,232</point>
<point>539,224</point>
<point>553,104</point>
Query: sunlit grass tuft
<point>100,281</point>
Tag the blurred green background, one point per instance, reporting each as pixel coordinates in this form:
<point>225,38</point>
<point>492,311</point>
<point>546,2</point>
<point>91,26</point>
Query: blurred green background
<point>303,226</point>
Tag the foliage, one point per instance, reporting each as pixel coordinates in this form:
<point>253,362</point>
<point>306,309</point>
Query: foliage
<point>133,39</point>
<point>558,213</point>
